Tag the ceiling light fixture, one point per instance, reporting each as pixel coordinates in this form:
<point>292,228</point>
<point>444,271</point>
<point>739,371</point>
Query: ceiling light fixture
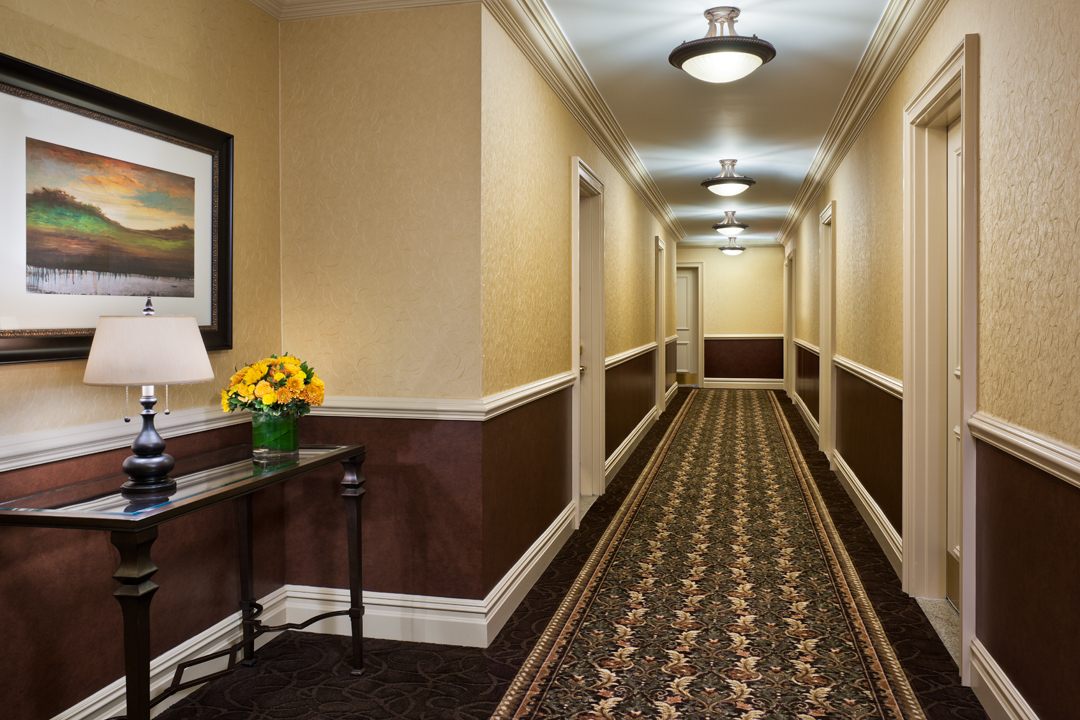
<point>722,58</point>
<point>728,182</point>
<point>730,226</point>
<point>731,248</point>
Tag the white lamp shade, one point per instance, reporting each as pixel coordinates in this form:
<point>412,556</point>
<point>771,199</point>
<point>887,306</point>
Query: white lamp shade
<point>732,250</point>
<point>726,231</point>
<point>722,67</point>
<point>728,189</point>
<point>147,350</point>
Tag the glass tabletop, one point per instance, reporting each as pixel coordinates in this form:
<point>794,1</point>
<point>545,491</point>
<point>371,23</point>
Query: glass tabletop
<point>200,480</point>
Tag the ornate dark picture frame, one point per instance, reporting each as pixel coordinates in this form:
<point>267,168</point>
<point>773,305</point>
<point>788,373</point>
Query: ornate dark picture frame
<point>32,84</point>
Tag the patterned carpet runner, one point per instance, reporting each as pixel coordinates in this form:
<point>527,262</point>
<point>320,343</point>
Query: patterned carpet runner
<point>720,590</point>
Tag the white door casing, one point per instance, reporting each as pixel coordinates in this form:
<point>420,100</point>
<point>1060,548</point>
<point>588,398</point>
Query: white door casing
<point>827,313</point>
<point>660,257</point>
<point>925,423</point>
<point>689,310</point>
<point>587,332</point>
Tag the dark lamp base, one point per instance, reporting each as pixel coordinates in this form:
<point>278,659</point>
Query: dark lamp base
<point>148,469</point>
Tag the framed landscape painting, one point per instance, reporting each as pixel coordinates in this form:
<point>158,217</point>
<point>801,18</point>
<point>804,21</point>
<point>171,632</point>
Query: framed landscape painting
<point>103,202</point>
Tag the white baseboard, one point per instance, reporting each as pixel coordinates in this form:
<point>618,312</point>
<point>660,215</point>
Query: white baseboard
<point>110,701</point>
<point>805,412</point>
<point>626,448</point>
<point>446,621</point>
<point>671,392</point>
<point>887,536</point>
<point>744,383</point>
<point>411,618</point>
<point>999,697</point>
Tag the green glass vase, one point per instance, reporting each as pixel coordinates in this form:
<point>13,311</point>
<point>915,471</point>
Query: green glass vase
<point>275,440</point>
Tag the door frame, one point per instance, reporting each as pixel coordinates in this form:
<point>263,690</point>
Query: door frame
<point>699,268</point>
<point>587,278</point>
<point>827,325</point>
<point>789,320</point>
<point>926,430</point>
<point>660,263</point>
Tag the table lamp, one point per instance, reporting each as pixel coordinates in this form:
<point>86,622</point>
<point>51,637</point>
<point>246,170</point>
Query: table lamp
<point>147,350</point>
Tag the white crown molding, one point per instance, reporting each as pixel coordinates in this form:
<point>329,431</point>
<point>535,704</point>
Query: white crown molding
<point>887,536</point>
<point>902,27</point>
<point>671,339</point>
<point>476,409</point>
<point>531,26</point>
<point>999,697</point>
<point>306,9</point>
<point>807,346</point>
<point>628,355</point>
<point>880,380</point>
<point>18,451</point>
<point>1060,460</point>
<point>747,336</point>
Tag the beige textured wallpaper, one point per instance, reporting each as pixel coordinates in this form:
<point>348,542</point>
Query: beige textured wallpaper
<point>743,294</point>
<point>868,233</point>
<point>807,286</point>
<point>213,61</point>
<point>381,200</point>
<point>529,138</point>
<point>1029,311</point>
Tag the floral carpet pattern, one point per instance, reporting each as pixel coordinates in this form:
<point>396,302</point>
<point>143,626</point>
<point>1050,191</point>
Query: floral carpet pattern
<point>717,592</point>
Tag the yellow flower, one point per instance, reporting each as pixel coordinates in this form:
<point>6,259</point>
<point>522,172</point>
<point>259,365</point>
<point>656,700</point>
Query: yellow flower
<point>245,391</point>
<point>279,376</point>
<point>225,400</point>
<point>263,388</point>
<point>289,360</point>
<point>269,398</point>
<point>296,382</point>
<point>254,373</point>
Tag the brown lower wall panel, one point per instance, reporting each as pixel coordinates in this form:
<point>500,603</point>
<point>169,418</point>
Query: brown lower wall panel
<point>1028,578</point>
<point>630,394</point>
<point>422,512</point>
<point>807,378</point>
<point>869,436</point>
<point>744,358</point>
<point>527,480</point>
<point>670,358</point>
<point>61,632</point>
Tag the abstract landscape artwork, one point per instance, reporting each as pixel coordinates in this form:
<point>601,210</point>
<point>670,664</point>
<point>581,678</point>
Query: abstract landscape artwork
<point>100,226</point>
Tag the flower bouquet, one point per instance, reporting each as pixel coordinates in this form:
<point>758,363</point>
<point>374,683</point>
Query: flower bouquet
<point>278,391</point>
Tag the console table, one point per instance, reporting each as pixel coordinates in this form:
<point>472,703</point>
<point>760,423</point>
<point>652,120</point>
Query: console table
<point>201,481</point>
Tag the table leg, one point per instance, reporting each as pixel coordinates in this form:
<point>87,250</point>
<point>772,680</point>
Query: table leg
<point>134,594</point>
<point>353,494</point>
<point>245,524</point>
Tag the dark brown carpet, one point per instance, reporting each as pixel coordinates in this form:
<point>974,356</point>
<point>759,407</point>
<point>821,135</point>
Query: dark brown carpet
<point>304,676</point>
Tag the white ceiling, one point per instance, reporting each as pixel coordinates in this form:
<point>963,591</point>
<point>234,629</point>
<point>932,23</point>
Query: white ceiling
<point>771,121</point>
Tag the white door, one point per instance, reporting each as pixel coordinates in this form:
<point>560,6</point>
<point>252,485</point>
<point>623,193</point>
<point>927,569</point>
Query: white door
<point>686,312</point>
<point>954,476</point>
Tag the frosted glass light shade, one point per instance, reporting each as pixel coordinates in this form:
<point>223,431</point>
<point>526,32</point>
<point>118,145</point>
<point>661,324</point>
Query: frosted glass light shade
<point>728,189</point>
<point>722,67</point>
<point>732,250</point>
<point>147,350</point>
<point>730,226</point>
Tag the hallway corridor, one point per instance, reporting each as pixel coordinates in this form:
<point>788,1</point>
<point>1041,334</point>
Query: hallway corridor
<point>725,574</point>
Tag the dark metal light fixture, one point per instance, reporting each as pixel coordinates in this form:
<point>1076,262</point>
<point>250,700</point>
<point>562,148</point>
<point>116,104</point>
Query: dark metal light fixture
<point>719,58</point>
<point>731,248</point>
<point>728,182</point>
<point>730,226</point>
